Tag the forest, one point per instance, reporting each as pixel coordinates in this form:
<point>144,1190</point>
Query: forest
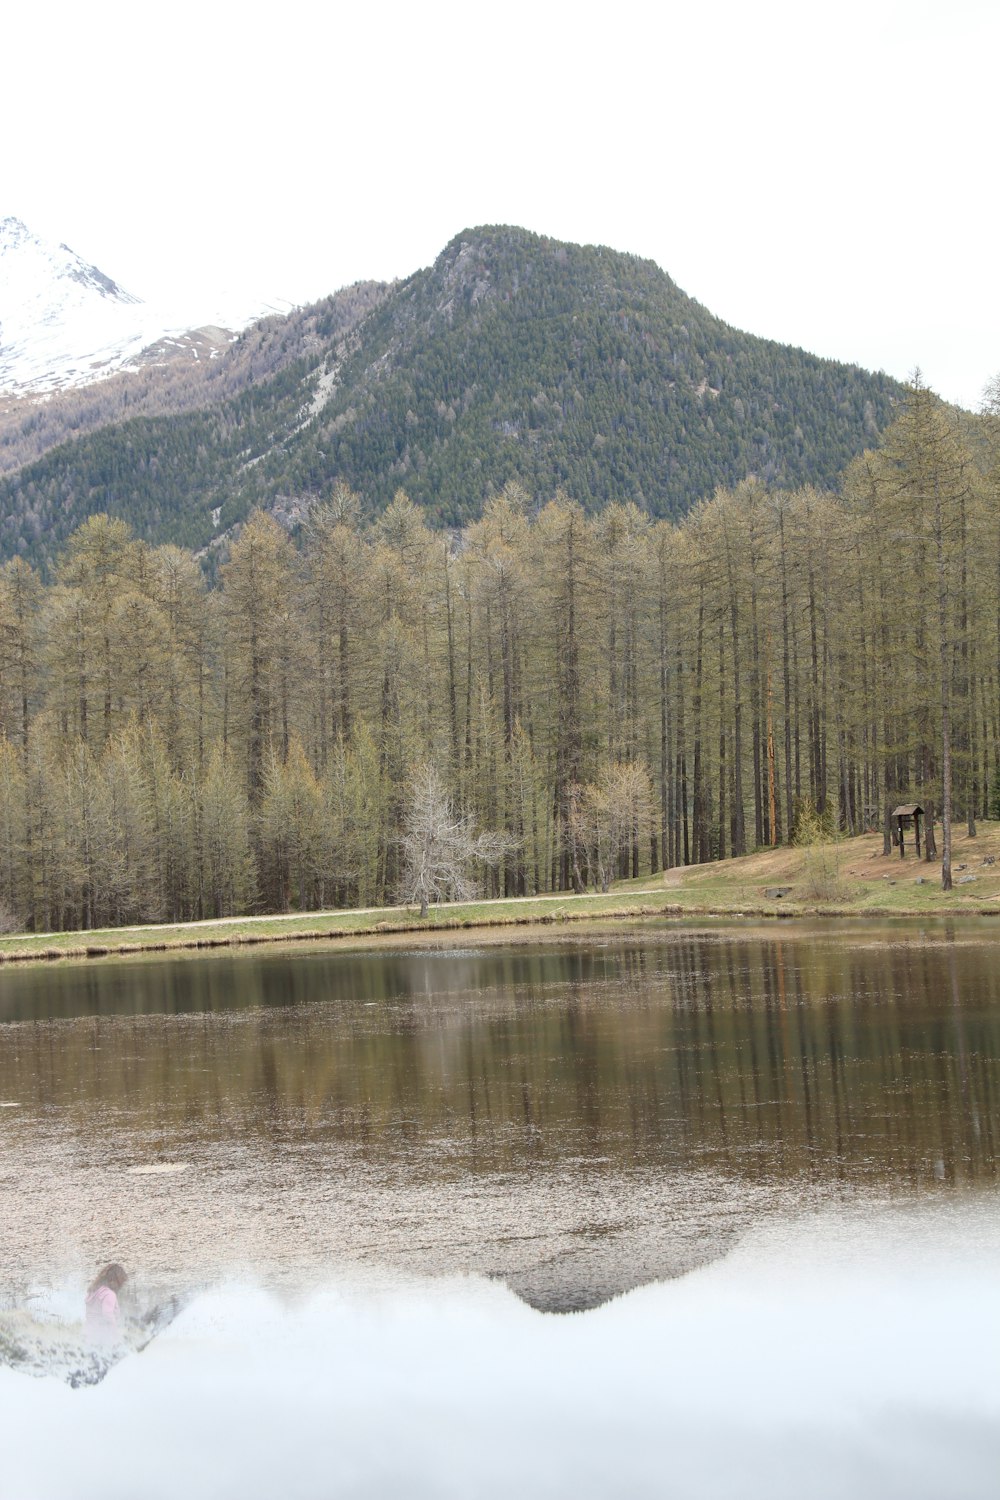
<point>587,696</point>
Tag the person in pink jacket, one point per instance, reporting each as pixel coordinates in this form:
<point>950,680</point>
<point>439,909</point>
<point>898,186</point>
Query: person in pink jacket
<point>104,1322</point>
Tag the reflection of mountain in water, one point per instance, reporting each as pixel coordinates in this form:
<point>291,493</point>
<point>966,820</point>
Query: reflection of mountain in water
<point>575,1120</point>
<point>598,1264</point>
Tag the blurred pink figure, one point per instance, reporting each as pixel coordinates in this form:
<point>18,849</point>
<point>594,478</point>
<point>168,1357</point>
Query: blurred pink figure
<point>104,1325</point>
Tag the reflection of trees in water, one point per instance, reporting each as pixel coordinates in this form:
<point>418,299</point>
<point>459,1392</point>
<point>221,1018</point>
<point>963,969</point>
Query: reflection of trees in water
<point>764,1056</point>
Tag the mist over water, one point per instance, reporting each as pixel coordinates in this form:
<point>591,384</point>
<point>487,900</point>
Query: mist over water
<point>827,1357</point>
<point>758,1164</point>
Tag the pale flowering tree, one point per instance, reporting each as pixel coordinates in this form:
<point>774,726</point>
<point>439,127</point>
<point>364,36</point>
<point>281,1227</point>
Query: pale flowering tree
<point>441,851</point>
<point>610,815</point>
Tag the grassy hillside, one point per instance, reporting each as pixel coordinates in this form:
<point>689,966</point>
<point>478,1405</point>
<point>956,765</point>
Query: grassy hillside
<point>512,357</point>
<point>850,877</point>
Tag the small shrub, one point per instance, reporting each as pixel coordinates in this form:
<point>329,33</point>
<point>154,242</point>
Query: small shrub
<point>822,877</point>
<point>815,833</point>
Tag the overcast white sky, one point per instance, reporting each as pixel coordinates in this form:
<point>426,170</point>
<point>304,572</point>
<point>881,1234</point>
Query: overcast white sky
<point>822,175</point>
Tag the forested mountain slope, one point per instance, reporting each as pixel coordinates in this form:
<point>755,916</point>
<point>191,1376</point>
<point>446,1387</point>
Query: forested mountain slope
<point>512,357</point>
<point>204,369</point>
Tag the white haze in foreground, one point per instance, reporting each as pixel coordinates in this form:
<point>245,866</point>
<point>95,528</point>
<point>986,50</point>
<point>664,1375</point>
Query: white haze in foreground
<point>829,1360</point>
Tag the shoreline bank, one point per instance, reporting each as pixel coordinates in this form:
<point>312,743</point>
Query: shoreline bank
<point>847,879</point>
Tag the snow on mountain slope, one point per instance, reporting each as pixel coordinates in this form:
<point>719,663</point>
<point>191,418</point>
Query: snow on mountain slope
<point>65,323</point>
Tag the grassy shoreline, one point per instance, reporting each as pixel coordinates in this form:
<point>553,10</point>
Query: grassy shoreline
<point>850,878</point>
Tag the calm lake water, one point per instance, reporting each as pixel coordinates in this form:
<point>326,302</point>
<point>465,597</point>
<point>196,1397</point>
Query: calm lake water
<point>806,1113</point>
<point>574,1116</point>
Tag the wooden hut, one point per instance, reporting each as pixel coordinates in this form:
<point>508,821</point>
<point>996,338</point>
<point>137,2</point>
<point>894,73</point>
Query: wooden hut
<point>903,817</point>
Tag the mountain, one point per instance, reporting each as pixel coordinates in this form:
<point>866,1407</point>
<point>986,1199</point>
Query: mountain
<point>64,323</point>
<point>512,357</point>
<point>160,385</point>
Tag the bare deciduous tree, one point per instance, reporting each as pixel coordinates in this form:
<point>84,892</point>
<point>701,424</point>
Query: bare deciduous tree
<point>440,849</point>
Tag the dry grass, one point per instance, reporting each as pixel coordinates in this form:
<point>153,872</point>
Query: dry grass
<point>852,873</point>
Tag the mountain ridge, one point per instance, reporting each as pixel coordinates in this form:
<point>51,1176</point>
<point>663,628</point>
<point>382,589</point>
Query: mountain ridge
<point>513,356</point>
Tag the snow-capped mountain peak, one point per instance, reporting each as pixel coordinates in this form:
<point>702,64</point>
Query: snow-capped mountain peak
<point>23,254</point>
<point>64,322</point>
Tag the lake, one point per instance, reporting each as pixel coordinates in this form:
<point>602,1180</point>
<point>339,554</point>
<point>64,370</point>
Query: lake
<point>783,1133</point>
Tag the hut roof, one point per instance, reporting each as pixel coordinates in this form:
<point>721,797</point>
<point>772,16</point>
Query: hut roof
<point>907,810</point>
